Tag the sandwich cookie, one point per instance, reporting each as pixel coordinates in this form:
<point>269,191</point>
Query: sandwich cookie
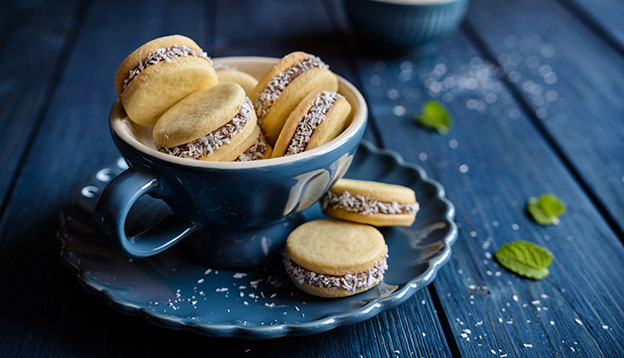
<point>280,89</point>
<point>370,202</point>
<point>160,73</point>
<point>255,148</point>
<point>226,74</point>
<point>211,124</point>
<point>332,258</point>
<point>316,120</point>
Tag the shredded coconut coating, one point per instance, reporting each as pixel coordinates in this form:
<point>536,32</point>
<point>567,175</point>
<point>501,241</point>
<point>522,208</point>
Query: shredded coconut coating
<point>255,152</point>
<point>349,282</point>
<point>277,84</point>
<point>163,54</point>
<point>210,143</point>
<point>312,119</point>
<point>361,205</point>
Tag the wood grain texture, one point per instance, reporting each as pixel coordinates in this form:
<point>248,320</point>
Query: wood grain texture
<point>490,164</point>
<point>33,38</point>
<point>605,16</point>
<point>496,156</point>
<point>571,80</point>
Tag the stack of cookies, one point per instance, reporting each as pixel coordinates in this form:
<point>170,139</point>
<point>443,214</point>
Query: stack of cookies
<point>217,113</point>
<point>338,258</point>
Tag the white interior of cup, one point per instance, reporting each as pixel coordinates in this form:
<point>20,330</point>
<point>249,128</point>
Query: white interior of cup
<point>141,137</point>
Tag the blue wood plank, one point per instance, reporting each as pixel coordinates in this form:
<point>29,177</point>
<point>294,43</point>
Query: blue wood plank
<point>573,83</point>
<point>603,15</point>
<point>491,162</point>
<point>33,38</point>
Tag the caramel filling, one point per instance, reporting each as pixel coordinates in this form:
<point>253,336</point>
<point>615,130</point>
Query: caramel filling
<point>349,282</point>
<point>163,54</point>
<point>361,205</point>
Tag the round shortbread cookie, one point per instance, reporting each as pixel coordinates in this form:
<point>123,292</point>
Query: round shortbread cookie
<point>245,80</point>
<point>335,247</point>
<point>328,108</point>
<point>331,258</point>
<point>291,92</point>
<point>159,74</point>
<point>371,203</point>
<point>204,117</point>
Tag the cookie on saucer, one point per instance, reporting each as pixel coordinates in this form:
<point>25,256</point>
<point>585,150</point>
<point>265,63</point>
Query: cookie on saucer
<point>280,89</point>
<point>159,74</point>
<point>211,124</point>
<point>316,120</point>
<point>244,79</point>
<point>256,147</point>
<point>332,258</point>
<point>371,203</point>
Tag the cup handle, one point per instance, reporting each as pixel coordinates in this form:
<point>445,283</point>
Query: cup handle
<point>114,204</point>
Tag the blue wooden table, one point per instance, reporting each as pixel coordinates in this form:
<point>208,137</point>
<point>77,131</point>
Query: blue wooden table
<point>536,90</point>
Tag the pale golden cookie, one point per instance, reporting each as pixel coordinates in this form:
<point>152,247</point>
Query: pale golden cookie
<point>280,89</point>
<point>159,74</point>
<point>332,258</point>
<point>244,79</point>
<point>322,113</point>
<point>255,148</point>
<point>371,203</point>
<point>211,124</point>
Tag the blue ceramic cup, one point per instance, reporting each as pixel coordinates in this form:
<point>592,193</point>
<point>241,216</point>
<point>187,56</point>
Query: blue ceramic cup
<point>235,214</point>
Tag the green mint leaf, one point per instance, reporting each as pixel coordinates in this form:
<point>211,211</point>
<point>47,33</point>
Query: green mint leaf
<point>546,209</point>
<point>525,259</point>
<point>434,116</point>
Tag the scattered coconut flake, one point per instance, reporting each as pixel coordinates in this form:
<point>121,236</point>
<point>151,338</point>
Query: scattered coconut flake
<point>399,110</point>
<point>578,321</point>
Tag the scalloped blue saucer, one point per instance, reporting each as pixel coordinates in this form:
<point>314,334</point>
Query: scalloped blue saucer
<point>173,291</point>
